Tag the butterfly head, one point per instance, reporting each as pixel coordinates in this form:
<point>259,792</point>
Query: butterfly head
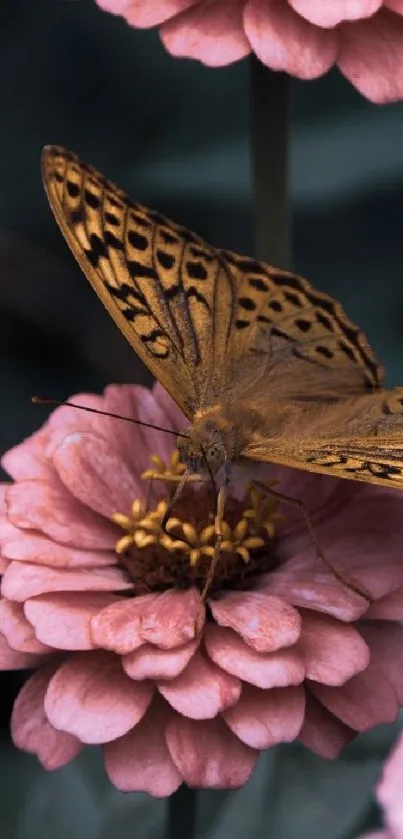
<point>202,448</point>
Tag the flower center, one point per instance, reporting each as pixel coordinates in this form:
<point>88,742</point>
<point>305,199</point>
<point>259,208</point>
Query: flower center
<point>178,554</point>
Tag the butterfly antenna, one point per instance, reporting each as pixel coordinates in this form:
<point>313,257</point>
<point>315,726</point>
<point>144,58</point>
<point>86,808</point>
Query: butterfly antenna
<point>44,400</point>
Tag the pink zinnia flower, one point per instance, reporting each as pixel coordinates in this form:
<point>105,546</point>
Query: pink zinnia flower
<point>106,607</point>
<point>305,38</point>
<point>390,797</point>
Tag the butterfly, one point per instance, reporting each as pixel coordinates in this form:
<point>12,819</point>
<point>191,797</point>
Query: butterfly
<point>264,367</point>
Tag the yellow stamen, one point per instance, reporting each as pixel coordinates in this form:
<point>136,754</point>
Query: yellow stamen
<point>240,530</point>
<point>243,553</point>
<point>137,509</point>
<point>190,532</point>
<point>144,527</point>
<point>143,540</point>
<point>122,521</point>
<point>124,543</point>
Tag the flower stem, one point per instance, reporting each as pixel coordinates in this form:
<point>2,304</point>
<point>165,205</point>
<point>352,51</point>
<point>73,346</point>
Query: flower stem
<point>181,817</point>
<point>270,101</point>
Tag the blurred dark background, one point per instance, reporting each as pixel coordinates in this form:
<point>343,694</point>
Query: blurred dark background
<point>176,136</point>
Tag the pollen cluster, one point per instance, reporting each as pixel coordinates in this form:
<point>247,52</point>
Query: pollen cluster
<point>159,549</point>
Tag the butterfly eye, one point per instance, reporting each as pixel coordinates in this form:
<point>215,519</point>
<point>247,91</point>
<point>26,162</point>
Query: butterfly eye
<point>216,455</point>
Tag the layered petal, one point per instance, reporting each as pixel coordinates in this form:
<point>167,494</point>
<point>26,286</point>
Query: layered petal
<point>28,547</point>
<point>322,732</point>
<point>285,41</point>
<point>31,729</point>
<point>17,630</point>
<point>332,652</point>
<point>141,13</point>
<point>149,662</point>
<point>95,474</point>
<point>211,32</point>
<point>329,13</point>
<point>118,626</point>
<point>263,718</point>
<point>207,754</point>
<point>202,690</point>
<point>23,581</point>
<point>370,56</point>
<point>140,761</point>
<point>11,659</point>
<point>304,38</point>
<point>264,670</point>
<point>92,698</point>
<point>265,622</point>
<point>43,506</point>
<point>365,701</point>
<point>170,620</point>
<point>63,620</point>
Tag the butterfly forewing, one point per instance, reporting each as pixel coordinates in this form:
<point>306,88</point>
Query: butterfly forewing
<point>271,301</point>
<point>215,327</point>
<point>159,282</point>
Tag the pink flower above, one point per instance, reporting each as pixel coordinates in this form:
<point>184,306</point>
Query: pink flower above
<point>304,38</point>
<point>106,607</point>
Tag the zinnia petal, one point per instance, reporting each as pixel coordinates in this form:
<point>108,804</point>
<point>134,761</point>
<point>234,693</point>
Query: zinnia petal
<point>170,620</point>
<point>43,551</point>
<point>363,702</point>
<point>118,627</point>
<point>52,510</point>
<point>212,33</point>
<point>152,406</point>
<point>263,718</point>
<point>202,690</point>
<point>95,474</point>
<point>22,581</point>
<point>91,697</point>
<point>140,761</point>
<point>142,13</point>
<point>330,13</point>
<point>15,660</point>
<point>265,670</point>
<point>32,731</point>
<point>322,732</point>
<point>389,607</point>
<point>17,630</point>
<point>149,662</point>
<point>371,56</point>
<point>26,460</point>
<point>265,622</point>
<point>285,41</point>
<point>305,585</point>
<point>207,754</point>
<point>63,620</point>
<point>333,652</point>
<point>385,641</point>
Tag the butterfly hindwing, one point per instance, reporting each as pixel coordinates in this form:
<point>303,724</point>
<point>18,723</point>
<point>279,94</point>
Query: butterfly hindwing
<point>360,439</point>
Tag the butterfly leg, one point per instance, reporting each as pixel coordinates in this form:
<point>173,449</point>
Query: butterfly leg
<point>296,502</point>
